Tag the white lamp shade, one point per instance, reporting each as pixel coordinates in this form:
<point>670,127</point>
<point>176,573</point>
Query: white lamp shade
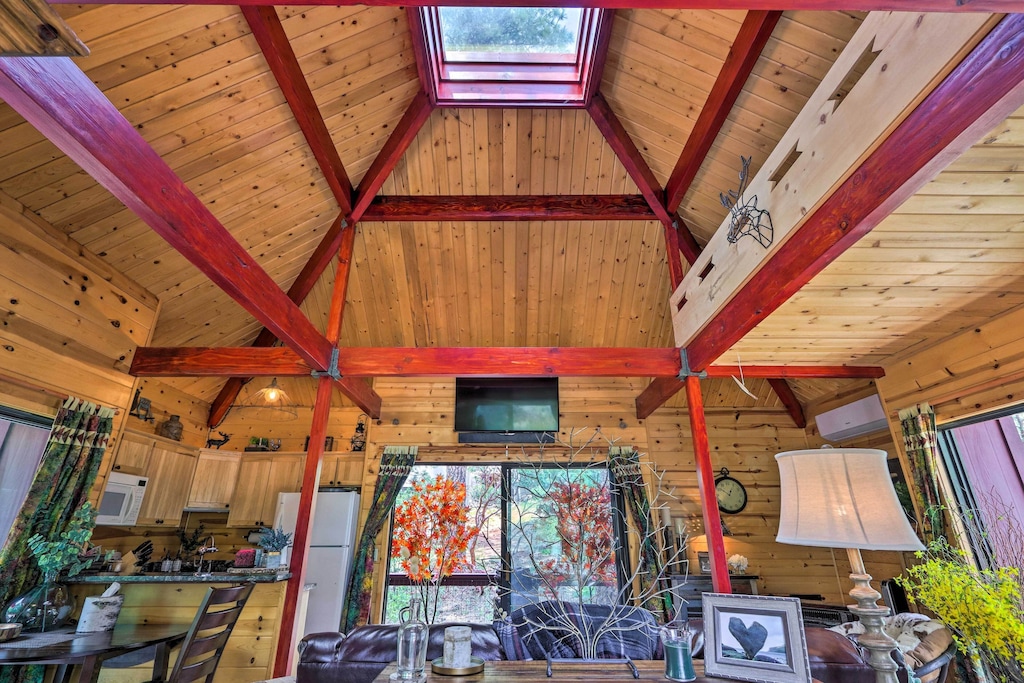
<point>841,498</point>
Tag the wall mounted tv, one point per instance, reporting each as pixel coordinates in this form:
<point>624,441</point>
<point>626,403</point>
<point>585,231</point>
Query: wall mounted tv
<point>506,405</point>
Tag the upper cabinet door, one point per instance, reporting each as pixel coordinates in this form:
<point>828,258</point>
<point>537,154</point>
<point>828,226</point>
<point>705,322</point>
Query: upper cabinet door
<point>133,454</point>
<point>214,480</point>
<point>170,475</point>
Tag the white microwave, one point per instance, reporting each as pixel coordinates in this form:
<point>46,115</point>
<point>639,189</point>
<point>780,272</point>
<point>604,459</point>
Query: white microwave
<point>122,499</point>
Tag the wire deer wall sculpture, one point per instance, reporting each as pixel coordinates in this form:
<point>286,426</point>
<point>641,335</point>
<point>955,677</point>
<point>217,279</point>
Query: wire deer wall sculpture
<point>747,219</point>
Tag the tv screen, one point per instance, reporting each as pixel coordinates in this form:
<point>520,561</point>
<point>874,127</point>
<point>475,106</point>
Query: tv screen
<point>506,405</point>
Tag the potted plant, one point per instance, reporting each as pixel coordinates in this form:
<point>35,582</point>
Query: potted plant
<point>190,542</point>
<point>273,542</point>
<point>50,604</point>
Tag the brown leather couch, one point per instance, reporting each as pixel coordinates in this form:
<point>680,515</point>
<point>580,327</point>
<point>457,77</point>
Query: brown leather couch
<point>361,655</point>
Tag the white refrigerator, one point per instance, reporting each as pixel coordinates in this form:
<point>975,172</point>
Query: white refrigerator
<point>332,545</point>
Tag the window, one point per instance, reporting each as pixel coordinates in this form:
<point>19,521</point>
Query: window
<point>23,439</point>
<point>546,532</point>
<point>503,56</point>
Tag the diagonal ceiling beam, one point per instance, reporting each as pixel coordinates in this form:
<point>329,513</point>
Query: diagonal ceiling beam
<point>997,6</point>
<point>982,90</point>
<point>398,142</point>
<point>56,97</point>
<point>529,361</point>
<point>789,400</point>
<point>510,208</point>
<point>273,41</point>
<point>757,27</point>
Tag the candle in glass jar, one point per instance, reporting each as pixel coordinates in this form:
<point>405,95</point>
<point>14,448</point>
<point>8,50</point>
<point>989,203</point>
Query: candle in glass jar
<point>457,647</point>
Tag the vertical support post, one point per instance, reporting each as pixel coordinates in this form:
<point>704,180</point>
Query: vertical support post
<point>706,484</point>
<point>314,459</point>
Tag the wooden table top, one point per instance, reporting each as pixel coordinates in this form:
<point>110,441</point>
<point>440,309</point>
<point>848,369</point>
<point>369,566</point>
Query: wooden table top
<point>124,638</point>
<point>651,671</point>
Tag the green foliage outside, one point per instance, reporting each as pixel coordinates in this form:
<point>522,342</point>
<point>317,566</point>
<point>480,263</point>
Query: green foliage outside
<point>67,551</point>
<point>506,29</point>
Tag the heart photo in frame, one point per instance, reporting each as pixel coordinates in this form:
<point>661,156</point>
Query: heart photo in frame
<point>755,638</point>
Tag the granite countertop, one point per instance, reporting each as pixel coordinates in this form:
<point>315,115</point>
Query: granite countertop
<point>183,577</point>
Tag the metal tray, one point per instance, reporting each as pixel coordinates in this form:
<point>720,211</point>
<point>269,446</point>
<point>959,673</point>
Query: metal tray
<point>438,667</point>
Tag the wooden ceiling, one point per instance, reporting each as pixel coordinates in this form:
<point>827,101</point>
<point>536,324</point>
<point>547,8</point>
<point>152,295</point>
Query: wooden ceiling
<point>194,83</point>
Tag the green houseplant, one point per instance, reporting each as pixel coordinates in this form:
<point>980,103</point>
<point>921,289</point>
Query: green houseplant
<point>273,542</point>
<point>50,604</point>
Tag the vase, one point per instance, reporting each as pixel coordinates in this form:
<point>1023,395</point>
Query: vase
<point>412,643</point>
<point>272,559</point>
<point>172,428</point>
<point>44,607</point>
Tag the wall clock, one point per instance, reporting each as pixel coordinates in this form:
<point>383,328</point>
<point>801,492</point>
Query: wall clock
<point>731,494</point>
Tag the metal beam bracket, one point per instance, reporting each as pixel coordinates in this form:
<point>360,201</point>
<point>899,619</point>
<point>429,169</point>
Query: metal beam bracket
<point>685,371</point>
<point>332,368</point>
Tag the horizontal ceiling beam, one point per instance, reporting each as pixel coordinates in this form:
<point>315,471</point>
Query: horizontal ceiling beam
<point>997,6</point>
<point>504,361</point>
<point>983,89</point>
<point>62,103</point>
<point>510,208</point>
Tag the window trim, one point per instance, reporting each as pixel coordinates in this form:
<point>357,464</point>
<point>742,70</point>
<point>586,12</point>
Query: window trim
<point>533,80</point>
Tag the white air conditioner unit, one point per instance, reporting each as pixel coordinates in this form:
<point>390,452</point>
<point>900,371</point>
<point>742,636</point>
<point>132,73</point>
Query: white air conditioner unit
<point>854,419</point>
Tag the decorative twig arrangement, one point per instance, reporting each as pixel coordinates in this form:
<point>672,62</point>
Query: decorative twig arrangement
<point>747,219</point>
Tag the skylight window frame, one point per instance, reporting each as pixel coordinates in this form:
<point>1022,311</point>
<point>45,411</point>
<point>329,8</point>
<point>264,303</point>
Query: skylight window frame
<point>518,79</point>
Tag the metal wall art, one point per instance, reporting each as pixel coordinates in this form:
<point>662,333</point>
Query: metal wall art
<point>747,219</point>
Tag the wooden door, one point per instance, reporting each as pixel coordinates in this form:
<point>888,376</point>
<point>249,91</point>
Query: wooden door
<point>133,454</point>
<point>170,475</point>
<point>329,469</point>
<point>214,480</point>
<point>285,477</point>
<point>247,501</point>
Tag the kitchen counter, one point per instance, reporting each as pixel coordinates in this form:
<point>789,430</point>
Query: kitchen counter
<point>182,577</point>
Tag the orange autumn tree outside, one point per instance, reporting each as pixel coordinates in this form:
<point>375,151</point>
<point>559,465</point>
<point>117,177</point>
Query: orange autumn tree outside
<point>431,536</point>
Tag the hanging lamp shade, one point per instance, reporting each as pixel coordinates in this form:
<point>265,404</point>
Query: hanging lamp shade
<point>841,498</point>
<point>271,403</point>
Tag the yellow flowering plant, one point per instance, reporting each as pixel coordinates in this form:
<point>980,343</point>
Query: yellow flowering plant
<point>981,607</point>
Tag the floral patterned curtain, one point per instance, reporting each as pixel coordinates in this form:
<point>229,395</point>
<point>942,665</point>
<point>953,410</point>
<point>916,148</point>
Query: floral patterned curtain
<point>920,439</point>
<point>627,477</point>
<point>66,474</point>
<point>395,465</point>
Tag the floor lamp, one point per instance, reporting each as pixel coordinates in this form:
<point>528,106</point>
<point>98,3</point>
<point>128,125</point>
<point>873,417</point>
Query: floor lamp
<point>844,498</point>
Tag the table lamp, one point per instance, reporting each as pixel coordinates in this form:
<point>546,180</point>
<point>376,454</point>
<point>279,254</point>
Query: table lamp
<point>844,498</point>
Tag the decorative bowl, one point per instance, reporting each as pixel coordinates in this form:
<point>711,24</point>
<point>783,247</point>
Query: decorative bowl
<point>9,631</point>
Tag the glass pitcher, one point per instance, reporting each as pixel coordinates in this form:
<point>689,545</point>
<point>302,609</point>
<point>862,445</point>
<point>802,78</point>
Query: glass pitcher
<point>412,643</point>
<point>675,637</point>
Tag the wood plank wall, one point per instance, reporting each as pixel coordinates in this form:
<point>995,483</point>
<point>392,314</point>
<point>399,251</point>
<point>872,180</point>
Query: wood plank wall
<point>70,322</point>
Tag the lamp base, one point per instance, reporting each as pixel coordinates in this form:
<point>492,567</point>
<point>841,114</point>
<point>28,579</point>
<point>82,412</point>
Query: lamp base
<point>874,639</point>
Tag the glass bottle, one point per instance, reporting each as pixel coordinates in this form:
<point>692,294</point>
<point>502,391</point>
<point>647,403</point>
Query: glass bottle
<point>412,643</point>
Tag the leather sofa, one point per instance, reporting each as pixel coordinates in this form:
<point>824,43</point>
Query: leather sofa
<point>361,655</point>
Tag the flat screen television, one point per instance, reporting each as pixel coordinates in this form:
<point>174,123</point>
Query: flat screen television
<point>506,405</point>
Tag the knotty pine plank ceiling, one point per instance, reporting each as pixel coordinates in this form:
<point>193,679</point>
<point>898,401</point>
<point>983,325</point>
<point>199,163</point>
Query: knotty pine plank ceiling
<point>194,83</point>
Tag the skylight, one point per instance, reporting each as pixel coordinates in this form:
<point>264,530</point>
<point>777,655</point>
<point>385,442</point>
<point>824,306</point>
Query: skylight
<point>512,56</point>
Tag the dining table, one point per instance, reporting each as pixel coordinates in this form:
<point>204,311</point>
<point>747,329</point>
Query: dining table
<point>68,650</point>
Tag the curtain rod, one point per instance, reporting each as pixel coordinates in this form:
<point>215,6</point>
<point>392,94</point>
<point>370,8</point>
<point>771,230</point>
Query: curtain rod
<point>24,384</point>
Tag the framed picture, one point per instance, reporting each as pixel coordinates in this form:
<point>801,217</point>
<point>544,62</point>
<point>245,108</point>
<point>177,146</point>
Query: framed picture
<point>755,638</point>
<point>704,560</point>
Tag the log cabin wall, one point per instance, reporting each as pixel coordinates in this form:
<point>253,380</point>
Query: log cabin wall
<point>70,322</point>
<point>419,412</point>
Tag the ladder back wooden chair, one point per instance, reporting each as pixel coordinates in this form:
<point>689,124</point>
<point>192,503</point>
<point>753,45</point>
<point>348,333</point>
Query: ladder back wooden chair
<point>200,651</point>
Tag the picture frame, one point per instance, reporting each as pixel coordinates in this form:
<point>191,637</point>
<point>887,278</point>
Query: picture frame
<point>755,638</point>
<point>704,561</point>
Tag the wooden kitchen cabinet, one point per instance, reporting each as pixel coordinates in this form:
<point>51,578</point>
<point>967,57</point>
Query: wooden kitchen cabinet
<point>169,467</point>
<point>342,469</point>
<point>214,480</point>
<point>260,479</point>
<point>133,453</point>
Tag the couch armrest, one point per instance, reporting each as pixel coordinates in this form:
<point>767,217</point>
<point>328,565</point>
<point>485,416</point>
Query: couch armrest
<point>321,648</point>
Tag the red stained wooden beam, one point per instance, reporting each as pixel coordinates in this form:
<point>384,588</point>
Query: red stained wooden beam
<point>789,400</point>
<point>997,6</point>
<point>269,33</point>
<point>757,27</point>
<point>706,485</point>
<point>655,394</point>
<point>509,208</point>
<point>626,150</point>
<point>384,163</point>
<point>64,105</point>
<point>985,88</point>
<point>277,361</point>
